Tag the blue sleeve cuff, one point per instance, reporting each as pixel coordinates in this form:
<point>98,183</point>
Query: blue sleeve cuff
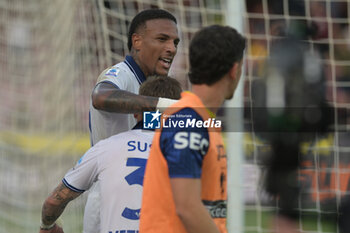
<point>72,187</point>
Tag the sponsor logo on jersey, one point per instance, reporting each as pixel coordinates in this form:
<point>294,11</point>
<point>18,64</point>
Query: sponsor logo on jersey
<point>193,140</point>
<point>112,72</point>
<point>151,120</point>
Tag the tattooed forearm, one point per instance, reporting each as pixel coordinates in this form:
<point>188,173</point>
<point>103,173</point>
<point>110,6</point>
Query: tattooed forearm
<point>108,98</point>
<point>125,102</point>
<point>55,204</point>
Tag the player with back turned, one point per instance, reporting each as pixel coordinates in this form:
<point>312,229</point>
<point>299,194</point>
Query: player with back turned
<point>185,180</point>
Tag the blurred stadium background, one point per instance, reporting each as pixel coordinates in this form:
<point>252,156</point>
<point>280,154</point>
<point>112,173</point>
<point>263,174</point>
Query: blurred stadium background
<point>51,53</point>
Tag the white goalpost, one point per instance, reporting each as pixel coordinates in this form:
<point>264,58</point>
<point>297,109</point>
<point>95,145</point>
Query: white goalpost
<point>234,136</point>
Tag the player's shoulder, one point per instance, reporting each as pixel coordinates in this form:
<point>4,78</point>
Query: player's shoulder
<point>114,139</point>
<point>119,70</point>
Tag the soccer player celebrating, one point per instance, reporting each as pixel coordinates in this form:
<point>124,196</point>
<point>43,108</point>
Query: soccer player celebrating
<point>185,179</point>
<point>152,42</point>
<point>118,163</point>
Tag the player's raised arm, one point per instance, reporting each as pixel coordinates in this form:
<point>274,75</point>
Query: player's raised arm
<point>108,98</point>
<point>54,206</point>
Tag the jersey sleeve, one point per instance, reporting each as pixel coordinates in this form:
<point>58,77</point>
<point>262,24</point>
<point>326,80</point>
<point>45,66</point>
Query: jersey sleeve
<point>85,172</point>
<point>184,147</point>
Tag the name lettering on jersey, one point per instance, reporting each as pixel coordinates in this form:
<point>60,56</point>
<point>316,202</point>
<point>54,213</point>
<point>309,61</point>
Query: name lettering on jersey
<point>112,72</point>
<point>138,145</point>
<point>193,140</point>
<point>217,209</point>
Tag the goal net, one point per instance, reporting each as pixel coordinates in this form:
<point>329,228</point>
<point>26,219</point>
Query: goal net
<point>51,55</point>
<point>53,51</point>
<point>323,172</point>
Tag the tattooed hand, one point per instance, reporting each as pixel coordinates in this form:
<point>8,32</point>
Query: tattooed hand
<point>54,205</point>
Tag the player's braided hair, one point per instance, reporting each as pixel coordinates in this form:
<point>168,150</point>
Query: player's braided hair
<point>141,18</point>
<point>213,51</point>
